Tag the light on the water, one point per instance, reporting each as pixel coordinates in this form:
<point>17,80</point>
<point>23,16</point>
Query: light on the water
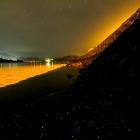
<point>49,62</point>
<point>12,74</point>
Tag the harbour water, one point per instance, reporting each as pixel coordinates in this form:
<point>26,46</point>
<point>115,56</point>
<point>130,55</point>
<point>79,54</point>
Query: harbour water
<point>12,73</point>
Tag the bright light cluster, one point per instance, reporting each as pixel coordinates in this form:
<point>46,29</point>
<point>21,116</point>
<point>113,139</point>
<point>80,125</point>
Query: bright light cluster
<point>48,60</point>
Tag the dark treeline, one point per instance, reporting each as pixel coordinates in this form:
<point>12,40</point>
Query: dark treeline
<point>9,61</point>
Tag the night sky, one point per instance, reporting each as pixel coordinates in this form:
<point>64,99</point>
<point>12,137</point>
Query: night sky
<point>59,27</point>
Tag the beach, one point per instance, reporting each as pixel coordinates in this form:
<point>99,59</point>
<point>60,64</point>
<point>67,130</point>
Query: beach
<point>38,86</point>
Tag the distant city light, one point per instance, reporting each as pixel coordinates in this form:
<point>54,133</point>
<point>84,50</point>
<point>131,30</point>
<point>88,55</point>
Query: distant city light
<point>49,61</point>
<point>14,59</point>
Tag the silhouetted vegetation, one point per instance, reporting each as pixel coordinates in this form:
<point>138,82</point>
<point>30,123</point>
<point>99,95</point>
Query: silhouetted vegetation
<point>9,61</point>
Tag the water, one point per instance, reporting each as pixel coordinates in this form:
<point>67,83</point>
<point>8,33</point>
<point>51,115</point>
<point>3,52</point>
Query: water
<point>16,72</point>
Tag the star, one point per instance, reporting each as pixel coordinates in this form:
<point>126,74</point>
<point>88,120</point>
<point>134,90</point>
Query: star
<point>69,6</point>
<point>42,22</point>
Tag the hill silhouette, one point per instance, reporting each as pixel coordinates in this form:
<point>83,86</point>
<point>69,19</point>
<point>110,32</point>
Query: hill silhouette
<point>110,87</point>
<point>95,52</point>
<point>102,103</point>
<point>121,53</point>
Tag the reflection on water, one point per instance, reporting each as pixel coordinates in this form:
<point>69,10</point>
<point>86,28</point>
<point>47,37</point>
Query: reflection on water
<point>14,73</point>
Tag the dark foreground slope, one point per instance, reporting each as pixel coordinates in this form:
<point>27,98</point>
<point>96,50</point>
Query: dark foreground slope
<point>101,105</point>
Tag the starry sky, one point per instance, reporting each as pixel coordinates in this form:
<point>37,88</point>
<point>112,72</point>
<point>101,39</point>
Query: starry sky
<point>59,27</point>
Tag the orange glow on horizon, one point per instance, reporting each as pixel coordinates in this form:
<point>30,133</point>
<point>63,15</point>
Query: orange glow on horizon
<point>93,38</point>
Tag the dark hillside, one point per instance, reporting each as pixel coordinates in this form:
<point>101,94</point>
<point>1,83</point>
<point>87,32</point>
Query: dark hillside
<point>119,63</point>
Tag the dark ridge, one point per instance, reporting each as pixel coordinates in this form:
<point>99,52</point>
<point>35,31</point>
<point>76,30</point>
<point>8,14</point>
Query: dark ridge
<point>120,54</point>
<point>110,84</point>
<point>93,54</point>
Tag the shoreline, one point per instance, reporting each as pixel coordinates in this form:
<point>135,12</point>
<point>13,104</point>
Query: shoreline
<point>38,86</point>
